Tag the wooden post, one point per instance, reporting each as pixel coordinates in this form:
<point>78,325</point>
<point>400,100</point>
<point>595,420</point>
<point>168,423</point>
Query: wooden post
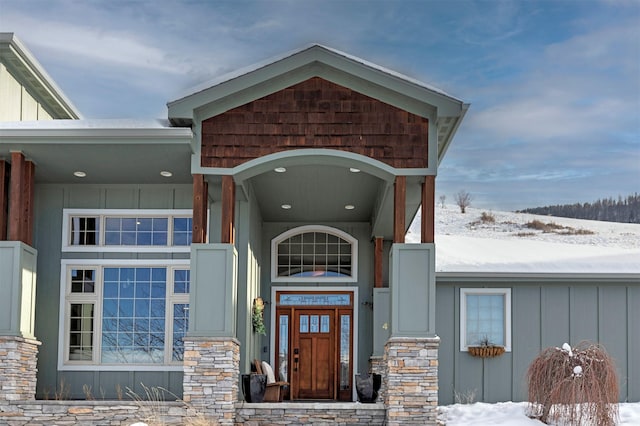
<point>4,198</point>
<point>16,197</point>
<point>228,210</point>
<point>28,200</point>
<point>399,209</point>
<point>200,201</point>
<point>428,209</point>
<point>377,262</point>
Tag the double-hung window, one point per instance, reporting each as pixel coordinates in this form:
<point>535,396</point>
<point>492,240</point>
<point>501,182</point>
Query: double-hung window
<point>485,317</point>
<point>124,312</point>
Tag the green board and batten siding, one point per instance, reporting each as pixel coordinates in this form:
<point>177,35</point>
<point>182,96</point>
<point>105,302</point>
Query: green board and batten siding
<point>50,200</point>
<point>545,312</point>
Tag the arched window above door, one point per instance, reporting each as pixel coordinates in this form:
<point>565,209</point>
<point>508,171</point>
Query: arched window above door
<point>314,253</point>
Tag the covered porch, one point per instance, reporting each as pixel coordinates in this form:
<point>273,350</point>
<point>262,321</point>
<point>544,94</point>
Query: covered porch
<point>314,150</point>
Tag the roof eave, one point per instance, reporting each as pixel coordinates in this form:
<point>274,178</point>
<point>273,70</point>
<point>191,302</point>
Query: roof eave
<point>444,147</point>
<point>301,63</point>
<point>26,64</point>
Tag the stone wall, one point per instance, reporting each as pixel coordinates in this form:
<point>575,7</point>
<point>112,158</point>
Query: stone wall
<point>412,380</point>
<point>211,371</point>
<point>126,413</point>
<point>347,413</point>
<point>377,365</point>
<point>91,413</point>
<point>18,360</point>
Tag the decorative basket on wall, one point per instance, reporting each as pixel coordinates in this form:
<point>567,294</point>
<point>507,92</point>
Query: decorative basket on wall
<point>486,351</point>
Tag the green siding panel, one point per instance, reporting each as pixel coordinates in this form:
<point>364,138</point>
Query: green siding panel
<point>50,199</point>
<point>412,290</point>
<point>525,334</point>
<point>583,300</point>
<point>544,313</point>
<point>555,316</point>
<point>613,329</point>
<point>445,328</point>
<point>633,379</point>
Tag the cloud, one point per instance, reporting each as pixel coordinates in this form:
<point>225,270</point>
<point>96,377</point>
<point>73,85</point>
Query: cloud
<point>88,44</point>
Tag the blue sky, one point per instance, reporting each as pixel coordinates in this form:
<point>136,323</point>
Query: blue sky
<point>554,86</point>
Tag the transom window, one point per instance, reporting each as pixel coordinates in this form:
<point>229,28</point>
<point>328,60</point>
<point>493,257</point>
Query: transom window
<point>120,315</point>
<point>485,317</point>
<point>126,230</point>
<point>314,253</point>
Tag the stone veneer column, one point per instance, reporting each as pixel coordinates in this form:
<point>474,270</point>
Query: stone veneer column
<point>412,380</point>
<point>378,365</point>
<point>211,370</point>
<point>18,359</point>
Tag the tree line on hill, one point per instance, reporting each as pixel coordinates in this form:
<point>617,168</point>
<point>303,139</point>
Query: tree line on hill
<point>625,210</point>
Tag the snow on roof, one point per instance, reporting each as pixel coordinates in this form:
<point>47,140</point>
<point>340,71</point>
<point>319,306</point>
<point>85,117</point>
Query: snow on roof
<point>262,64</point>
<point>464,243</point>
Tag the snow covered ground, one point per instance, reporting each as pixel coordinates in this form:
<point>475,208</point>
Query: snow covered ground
<point>465,243</point>
<point>506,242</point>
<point>513,414</point>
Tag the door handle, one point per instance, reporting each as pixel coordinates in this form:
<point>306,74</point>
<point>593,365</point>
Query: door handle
<point>296,359</point>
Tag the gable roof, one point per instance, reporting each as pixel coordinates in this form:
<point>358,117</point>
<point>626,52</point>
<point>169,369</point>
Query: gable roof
<point>32,75</point>
<point>261,79</point>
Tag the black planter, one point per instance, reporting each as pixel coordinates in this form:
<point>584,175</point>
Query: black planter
<point>254,386</point>
<point>367,387</point>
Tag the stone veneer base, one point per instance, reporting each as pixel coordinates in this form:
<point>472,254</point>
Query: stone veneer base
<point>303,413</point>
<point>170,413</point>
<point>211,375</point>
<point>377,365</point>
<point>412,380</point>
<point>18,368</point>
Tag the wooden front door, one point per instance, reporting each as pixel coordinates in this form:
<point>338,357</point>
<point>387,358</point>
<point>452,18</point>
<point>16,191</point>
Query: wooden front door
<point>315,343</point>
<point>313,350</point>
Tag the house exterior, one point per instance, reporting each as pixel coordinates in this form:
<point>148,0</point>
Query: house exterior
<point>135,251</point>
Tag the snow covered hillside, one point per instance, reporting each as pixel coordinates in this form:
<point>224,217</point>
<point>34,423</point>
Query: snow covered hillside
<point>488,241</point>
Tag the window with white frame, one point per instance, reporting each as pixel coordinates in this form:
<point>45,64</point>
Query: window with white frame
<point>314,253</point>
<point>485,317</point>
<point>126,230</point>
<point>123,315</point>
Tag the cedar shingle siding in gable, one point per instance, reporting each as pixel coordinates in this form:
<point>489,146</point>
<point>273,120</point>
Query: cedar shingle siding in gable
<point>315,114</point>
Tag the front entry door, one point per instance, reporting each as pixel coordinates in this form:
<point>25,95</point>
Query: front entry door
<point>314,339</point>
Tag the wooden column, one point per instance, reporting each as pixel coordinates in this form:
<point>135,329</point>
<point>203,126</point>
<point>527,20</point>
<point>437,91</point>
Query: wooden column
<point>228,210</point>
<point>29,189</point>
<point>200,204</point>
<point>399,209</point>
<point>17,197</point>
<point>428,209</point>
<point>377,262</point>
<point>5,171</point>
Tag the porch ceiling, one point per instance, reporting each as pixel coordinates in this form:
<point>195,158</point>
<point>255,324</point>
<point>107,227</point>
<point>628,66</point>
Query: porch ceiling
<point>108,152</point>
<point>316,194</point>
<point>319,194</point>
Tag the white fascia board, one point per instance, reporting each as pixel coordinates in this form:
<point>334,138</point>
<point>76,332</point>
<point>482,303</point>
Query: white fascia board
<point>284,67</point>
<point>485,277</point>
<point>72,134</point>
<point>22,58</point>
<point>442,149</point>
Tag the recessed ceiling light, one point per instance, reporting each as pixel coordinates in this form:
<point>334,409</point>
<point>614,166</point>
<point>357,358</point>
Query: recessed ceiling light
<point>280,169</point>
<point>354,170</point>
<point>79,173</point>
<point>286,206</point>
<point>349,207</point>
<point>166,173</point>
